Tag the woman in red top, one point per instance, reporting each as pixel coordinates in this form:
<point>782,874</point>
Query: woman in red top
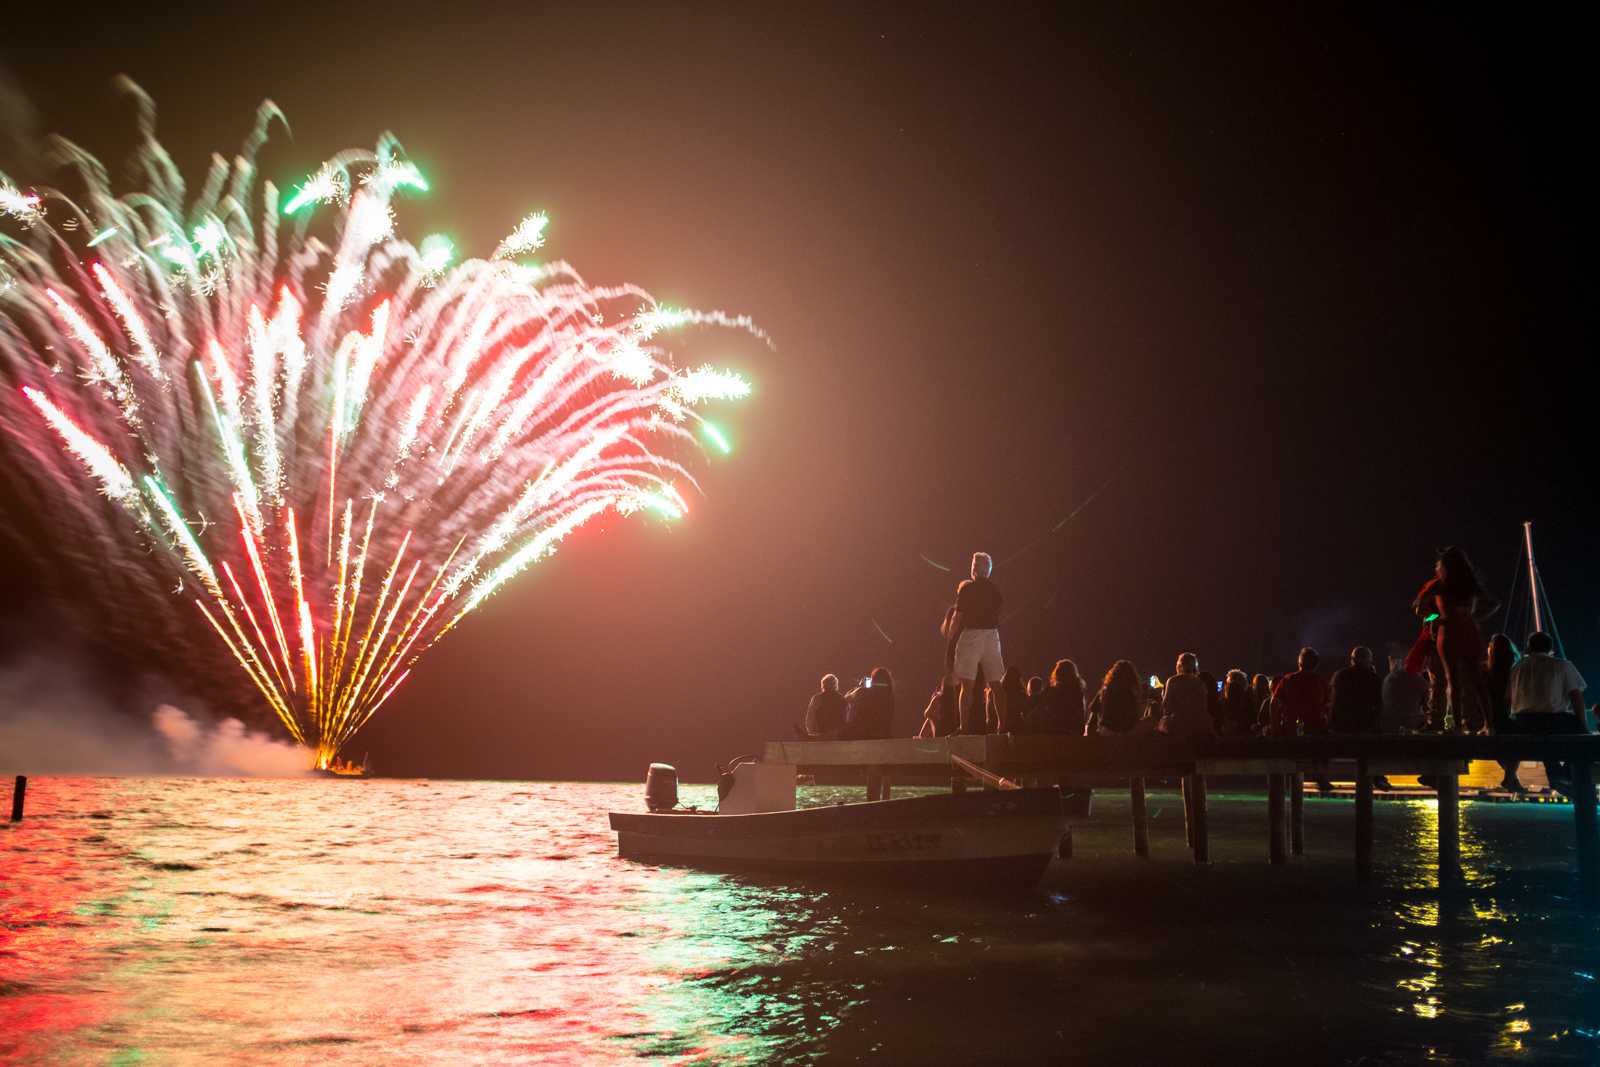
<point>1453,601</point>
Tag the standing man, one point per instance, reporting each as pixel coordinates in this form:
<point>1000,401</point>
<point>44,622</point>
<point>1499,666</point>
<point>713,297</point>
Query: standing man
<point>974,634</point>
<point>1547,698</point>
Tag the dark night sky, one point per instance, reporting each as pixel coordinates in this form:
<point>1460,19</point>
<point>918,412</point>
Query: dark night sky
<point>1317,289</point>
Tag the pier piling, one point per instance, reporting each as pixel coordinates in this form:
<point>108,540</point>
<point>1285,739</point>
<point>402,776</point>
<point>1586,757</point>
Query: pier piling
<point>1141,822</point>
<point>1583,819</point>
<point>1449,823</point>
<point>1297,814</point>
<point>18,793</point>
<point>1188,810</point>
<point>1275,815</point>
<point>1201,839</point>
<point>1363,819</point>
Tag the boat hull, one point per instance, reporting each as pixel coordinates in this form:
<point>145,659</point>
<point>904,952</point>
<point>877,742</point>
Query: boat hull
<point>989,839</point>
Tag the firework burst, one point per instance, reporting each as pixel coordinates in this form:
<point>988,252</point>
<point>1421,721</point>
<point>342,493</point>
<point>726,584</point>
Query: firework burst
<point>275,430</point>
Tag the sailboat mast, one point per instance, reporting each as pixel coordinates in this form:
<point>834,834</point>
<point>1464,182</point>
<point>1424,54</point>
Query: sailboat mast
<point>1533,579</point>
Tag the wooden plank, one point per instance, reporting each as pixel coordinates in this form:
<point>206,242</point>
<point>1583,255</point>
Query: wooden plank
<point>1233,765</point>
<point>1363,820</point>
<point>1583,821</point>
<point>1141,822</point>
<point>1275,828</point>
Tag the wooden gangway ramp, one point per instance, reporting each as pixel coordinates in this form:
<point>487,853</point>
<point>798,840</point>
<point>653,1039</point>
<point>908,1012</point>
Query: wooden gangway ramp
<point>1280,762</point>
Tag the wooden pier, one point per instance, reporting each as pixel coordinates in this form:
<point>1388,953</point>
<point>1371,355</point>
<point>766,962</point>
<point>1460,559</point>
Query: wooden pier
<point>1282,763</point>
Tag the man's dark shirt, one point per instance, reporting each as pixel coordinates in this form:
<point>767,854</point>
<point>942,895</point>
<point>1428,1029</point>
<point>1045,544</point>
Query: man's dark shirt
<point>825,714</point>
<point>1357,700</point>
<point>978,600</point>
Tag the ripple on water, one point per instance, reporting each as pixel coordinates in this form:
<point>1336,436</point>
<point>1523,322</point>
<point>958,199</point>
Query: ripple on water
<point>438,936</point>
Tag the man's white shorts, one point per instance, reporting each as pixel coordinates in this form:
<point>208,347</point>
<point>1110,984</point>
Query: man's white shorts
<point>979,647</point>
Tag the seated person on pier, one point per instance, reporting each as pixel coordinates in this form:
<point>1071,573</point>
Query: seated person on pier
<point>1405,696</point>
<point>825,713</point>
<point>1010,710</point>
<point>1300,700</point>
<point>1547,698</point>
<point>1035,691</point>
<point>1357,695</point>
<point>1115,709</point>
<point>869,714</point>
<point>1059,707</point>
<point>1238,709</point>
<point>1185,702</point>
<point>1498,663</point>
<point>942,716</point>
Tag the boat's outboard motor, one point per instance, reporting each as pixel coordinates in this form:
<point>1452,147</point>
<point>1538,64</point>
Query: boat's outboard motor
<point>661,787</point>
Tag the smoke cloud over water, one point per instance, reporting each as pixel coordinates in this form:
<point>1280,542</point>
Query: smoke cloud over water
<point>52,721</point>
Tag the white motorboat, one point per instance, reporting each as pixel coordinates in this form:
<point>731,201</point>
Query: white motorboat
<point>991,838</point>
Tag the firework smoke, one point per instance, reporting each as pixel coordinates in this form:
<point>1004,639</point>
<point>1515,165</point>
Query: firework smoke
<point>266,426</point>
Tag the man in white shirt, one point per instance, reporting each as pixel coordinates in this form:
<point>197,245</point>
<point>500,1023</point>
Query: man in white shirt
<point>1546,696</point>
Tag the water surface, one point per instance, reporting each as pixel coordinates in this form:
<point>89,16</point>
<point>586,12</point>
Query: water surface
<point>318,921</point>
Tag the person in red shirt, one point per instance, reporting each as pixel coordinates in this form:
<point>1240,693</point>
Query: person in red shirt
<point>1300,700</point>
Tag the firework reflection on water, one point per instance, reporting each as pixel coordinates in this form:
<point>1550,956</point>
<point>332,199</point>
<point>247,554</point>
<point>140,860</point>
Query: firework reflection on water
<point>254,921</point>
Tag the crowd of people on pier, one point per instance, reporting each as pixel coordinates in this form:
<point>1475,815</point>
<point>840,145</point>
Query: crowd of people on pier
<point>1449,680</point>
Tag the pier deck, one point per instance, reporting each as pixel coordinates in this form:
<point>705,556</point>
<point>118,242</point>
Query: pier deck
<point>1281,763</point>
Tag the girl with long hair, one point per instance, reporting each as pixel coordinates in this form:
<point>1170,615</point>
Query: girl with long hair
<point>1059,708</point>
<point>1116,708</point>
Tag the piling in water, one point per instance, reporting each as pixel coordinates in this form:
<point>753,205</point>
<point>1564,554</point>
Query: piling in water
<point>1276,831</point>
<point>1583,818</point>
<point>18,792</point>
<point>1297,814</point>
<point>1197,810</point>
<point>1363,819</point>
<point>1449,789</point>
<point>1141,822</point>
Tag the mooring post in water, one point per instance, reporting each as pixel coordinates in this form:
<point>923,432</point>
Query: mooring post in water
<point>1141,823</point>
<point>18,792</point>
<point>1275,834</point>
<point>1197,805</point>
<point>1449,823</point>
<point>1297,813</point>
<point>1363,819</point>
<point>1583,819</point>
